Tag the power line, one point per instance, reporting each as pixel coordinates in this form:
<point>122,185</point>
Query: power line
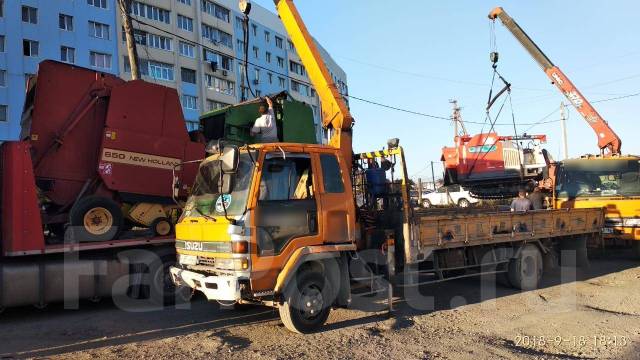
<point>371,102</point>
<point>616,98</point>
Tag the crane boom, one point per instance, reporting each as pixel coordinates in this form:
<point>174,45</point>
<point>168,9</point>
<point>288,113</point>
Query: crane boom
<point>608,141</point>
<point>335,113</point>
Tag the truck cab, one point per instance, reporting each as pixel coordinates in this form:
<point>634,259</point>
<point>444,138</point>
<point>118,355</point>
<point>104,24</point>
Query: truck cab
<point>254,210</point>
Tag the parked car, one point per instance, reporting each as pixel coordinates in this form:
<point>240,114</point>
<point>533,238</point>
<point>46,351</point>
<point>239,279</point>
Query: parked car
<point>448,195</point>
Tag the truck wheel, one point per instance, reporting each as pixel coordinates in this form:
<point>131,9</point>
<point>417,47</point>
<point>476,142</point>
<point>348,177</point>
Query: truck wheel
<point>305,307</point>
<point>464,203</point>
<point>163,291</point>
<point>162,226</point>
<point>95,218</point>
<point>525,271</point>
<point>426,203</point>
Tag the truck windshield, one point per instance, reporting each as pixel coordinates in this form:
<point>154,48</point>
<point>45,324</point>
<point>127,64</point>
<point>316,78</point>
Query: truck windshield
<point>598,178</point>
<point>206,199</point>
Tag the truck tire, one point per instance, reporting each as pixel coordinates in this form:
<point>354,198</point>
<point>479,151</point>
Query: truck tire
<point>464,203</point>
<point>95,218</point>
<point>526,270</point>
<point>304,309</point>
<point>426,204</point>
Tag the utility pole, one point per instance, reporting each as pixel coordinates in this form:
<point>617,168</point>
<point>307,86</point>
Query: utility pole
<point>433,177</point>
<point>456,117</point>
<point>563,126</point>
<point>125,9</point>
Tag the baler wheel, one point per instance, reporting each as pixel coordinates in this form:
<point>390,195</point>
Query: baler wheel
<point>95,218</point>
<point>162,226</point>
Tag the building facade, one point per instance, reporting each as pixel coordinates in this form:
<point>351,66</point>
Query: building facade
<point>195,46</point>
<point>80,32</point>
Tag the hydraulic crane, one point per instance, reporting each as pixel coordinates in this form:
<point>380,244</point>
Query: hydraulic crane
<point>608,141</point>
<point>335,113</point>
<point>610,180</point>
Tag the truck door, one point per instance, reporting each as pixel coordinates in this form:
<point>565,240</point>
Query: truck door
<point>286,216</point>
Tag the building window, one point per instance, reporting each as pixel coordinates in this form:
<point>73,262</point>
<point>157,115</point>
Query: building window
<point>161,71</point>
<point>215,10</point>
<point>221,61</point>
<point>254,30</point>
<point>296,68</point>
<point>29,14</point>
<point>98,30</point>
<point>65,22</point>
<point>290,45</point>
<point>244,92</point>
<point>279,41</point>
<point>67,54</point>
<point>150,12</point>
<point>281,82</point>
<point>267,37</point>
<point>3,113</point>
<point>215,105</point>
<point>189,102</point>
<point>258,93</point>
<point>270,76</point>
<point>3,78</point>
<point>1,8</point>
<point>268,57</point>
<point>30,47</point>
<point>139,36</point>
<point>295,86</point>
<point>239,23</point>
<point>256,74</point>
<point>159,42</point>
<point>220,85</point>
<point>217,36</point>
<point>185,23</point>
<point>187,50</point>
<point>98,3</point>
<point>186,2</point>
<point>240,44</point>
<point>1,43</point>
<point>100,60</point>
<point>188,75</point>
<point>256,52</point>
<point>280,62</point>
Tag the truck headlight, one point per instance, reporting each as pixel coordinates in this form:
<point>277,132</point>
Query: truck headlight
<point>632,222</point>
<point>187,259</point>
<point>232,264</point>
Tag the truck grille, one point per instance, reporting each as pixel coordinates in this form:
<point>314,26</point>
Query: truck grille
<point>206,261</point>
<point>613,222</point>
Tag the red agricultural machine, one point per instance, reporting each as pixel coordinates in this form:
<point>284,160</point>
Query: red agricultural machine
<point>91,173</point>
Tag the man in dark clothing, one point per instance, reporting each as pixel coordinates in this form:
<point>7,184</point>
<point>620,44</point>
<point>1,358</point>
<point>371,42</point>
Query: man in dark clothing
<point>521,203</point>
<point>537,199</point>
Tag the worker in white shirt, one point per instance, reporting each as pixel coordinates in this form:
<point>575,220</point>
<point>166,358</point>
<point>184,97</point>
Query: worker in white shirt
<point>264,128</point>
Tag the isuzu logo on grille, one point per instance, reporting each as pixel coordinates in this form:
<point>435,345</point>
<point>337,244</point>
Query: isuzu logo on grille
<point>192,245</point>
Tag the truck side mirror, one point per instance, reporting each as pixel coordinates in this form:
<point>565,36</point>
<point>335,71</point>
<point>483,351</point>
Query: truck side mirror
<point>227,182</point>
<point>229,159</point>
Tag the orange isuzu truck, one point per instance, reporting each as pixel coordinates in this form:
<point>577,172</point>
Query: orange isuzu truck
<point>304,227</point>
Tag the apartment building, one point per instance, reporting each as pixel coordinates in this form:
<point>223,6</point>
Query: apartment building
<point>79,32</point>
<point>194,46</point>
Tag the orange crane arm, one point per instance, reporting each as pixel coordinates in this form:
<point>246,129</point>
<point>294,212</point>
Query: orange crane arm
<point>608,141</point>
<point>335,113</point>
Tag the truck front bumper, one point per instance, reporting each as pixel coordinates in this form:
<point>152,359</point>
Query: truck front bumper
<point>220,287</point>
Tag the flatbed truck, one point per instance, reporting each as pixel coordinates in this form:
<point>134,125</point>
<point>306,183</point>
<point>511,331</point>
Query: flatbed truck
<point>300,226</point>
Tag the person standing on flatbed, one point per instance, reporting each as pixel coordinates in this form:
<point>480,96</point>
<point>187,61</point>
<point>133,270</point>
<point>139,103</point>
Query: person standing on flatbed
<point>264,129</point>
<point>521,203</point>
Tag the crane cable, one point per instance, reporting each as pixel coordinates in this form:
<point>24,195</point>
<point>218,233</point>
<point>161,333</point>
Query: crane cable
<point>245,33</point>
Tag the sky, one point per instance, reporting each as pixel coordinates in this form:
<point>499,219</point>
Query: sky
<point>417,55</point>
